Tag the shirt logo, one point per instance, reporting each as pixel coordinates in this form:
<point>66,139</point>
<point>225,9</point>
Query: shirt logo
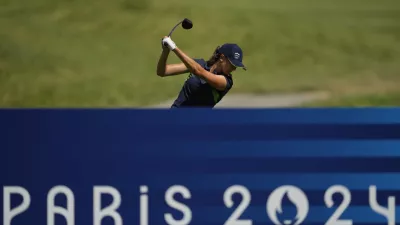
<point>237,55</point>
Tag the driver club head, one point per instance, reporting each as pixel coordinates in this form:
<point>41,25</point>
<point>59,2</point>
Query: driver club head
<point>187,24</point>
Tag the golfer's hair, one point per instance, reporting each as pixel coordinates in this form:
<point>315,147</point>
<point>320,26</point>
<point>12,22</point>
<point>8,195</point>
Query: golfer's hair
<point>214,58</point>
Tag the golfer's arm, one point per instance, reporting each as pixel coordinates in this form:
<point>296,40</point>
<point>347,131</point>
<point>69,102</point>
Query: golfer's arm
<point>161,65</point>
<point>218,82</point>
<point>164,70</point>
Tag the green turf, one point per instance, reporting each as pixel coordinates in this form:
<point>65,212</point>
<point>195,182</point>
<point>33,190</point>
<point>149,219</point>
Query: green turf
<point>98,53</point>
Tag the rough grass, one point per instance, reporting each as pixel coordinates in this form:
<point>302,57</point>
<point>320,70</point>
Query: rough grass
<point>98,53</point>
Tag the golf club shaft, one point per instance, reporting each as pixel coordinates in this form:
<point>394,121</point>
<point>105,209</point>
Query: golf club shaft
<point>186,24</point>
<point>170,33</point>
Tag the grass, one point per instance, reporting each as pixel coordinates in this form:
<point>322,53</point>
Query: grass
<point>98,53</point>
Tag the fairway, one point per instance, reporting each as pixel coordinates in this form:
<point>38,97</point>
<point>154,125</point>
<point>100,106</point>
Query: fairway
<point>98,53</point>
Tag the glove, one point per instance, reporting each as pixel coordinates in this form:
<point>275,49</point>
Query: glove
<point>164,46</point>
<point>167,41</point>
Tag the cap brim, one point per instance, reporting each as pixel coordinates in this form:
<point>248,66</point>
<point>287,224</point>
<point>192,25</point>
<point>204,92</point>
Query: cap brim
<point>239,64</point>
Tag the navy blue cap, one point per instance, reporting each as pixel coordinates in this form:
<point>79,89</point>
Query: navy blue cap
<point>234,53</point>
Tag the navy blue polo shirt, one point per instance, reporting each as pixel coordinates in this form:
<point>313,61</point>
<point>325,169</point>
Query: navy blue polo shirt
<point>196,92</point>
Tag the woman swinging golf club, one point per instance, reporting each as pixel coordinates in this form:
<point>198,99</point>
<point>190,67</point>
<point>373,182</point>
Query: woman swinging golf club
<point>208,81</point>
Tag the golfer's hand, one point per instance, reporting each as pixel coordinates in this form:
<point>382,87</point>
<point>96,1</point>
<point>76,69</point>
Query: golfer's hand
<point>167,41</point>
<point>164,47</point>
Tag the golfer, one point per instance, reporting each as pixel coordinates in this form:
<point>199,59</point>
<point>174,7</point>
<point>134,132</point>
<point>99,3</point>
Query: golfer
<point>208,81</point>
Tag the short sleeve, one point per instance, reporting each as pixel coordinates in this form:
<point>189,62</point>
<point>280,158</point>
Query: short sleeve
<point>229,82</point>
<point>202,62</point>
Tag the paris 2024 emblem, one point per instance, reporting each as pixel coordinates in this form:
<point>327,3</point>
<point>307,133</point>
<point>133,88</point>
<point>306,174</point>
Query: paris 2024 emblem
<point>296,197</point>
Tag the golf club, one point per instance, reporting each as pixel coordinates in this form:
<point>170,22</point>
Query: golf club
<point>186,24</point>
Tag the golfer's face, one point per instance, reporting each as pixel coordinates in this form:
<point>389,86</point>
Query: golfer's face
<point>228,66</point>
